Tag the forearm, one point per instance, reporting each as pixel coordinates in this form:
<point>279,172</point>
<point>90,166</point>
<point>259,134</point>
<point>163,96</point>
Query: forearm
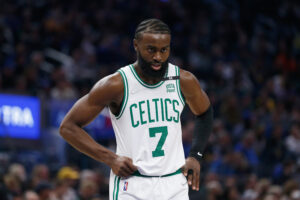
<point>202,131</point>
<point>81,140</point>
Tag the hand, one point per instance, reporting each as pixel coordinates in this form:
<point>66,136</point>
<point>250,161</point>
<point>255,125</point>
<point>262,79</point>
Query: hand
<point>191,170</point>
<point>122,166</point>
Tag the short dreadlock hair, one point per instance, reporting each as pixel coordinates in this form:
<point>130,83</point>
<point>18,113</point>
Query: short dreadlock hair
<point>151,26</point>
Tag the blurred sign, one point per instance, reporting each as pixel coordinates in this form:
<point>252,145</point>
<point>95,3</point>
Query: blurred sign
<point>19,117</point>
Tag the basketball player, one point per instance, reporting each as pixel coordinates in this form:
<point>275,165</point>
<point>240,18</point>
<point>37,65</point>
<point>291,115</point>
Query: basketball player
<point>145,100</point>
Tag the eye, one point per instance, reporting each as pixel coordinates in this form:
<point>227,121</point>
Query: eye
<point>163,50</point>
<point>151,49</point>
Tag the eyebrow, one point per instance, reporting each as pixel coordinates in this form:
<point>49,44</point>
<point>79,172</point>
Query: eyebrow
<point>156,47</point>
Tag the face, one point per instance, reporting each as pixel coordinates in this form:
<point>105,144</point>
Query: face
<point>30,195</point>
<point>153,51</point>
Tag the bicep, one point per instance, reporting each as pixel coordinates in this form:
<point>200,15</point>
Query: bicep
<point>199,103</point>
<point>83,111</point>
<point>195,96</point>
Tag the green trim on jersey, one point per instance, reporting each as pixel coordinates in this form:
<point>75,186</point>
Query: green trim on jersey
<point>118,184</point>
<point>178,86</point>
<point>125,98</point>
<point>144,83</point>
<point>114,187</point>
<point>137,173</point>
<point>115,196</point>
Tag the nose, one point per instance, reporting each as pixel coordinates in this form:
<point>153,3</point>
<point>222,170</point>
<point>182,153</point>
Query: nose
<point>157,57</point>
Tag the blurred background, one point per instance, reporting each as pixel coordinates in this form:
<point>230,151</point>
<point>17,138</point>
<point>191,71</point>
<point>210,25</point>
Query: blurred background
<point>245,53</point>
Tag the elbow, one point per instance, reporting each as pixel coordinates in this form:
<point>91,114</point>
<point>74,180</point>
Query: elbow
<point>64,129</point>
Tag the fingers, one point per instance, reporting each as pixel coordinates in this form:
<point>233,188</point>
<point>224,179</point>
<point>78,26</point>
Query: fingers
<point>184,171</point>
<point>126,171</point>
<point>196,180</point>
<point>125,167</point>
<point>193,179</point>
<point>122,173</point>
<point>132,168</point>
<point>191,170</point>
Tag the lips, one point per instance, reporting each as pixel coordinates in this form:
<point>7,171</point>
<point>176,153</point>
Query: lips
<point>156,66</point>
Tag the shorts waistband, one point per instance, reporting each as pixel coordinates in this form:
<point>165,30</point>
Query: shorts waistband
<point>137,173</point>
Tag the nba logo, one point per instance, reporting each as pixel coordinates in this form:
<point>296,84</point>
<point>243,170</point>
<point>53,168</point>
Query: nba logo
<point>125,186</point>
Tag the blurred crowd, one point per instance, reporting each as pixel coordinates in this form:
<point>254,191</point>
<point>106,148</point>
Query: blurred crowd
<point>245,53</point>
<point>89,184</point>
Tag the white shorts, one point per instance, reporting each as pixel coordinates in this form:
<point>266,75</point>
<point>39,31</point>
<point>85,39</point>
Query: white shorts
<point>172,187</point>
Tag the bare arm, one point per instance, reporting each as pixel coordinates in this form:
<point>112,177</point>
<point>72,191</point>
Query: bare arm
<point>107,92</point>
<point>198,102</point>
<point>195,97</point>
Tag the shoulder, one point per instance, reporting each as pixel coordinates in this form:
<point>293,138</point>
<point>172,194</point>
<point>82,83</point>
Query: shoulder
<point>195,97</point>
<point>108,89</point>
<point>113,81</point>
<point>187,76</point>
<point>188,82</point>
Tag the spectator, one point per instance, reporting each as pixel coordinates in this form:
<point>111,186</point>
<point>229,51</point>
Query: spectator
<point>87,189</point>
<point>40,173</point>
<point>64,187</point>
<point>30,195</point>
<point>44,191</point>
<point>19,172</point>
<point>293,140</point>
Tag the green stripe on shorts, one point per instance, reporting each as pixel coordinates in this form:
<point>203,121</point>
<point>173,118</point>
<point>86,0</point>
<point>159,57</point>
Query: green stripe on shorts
<point>137,173</point>
<point>114,187</point>
<point>117,194</point>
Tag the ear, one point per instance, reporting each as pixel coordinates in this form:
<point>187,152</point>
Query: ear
<point>135,45</point>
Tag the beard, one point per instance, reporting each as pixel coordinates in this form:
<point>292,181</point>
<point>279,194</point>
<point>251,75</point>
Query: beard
<point>147,69</point>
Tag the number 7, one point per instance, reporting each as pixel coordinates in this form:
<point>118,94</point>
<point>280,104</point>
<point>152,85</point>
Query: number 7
<point>164,132</point>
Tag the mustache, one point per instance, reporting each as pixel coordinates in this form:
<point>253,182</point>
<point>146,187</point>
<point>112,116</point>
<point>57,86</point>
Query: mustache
<point>155,63</point>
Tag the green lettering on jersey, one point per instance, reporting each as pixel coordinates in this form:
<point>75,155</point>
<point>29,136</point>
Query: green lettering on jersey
<point>166,109</point>
<point>156,108</point>
<point>164,133</point>
<point>149,113</point>
<point>142,112</point>
<point>174,108</point>
<point>162,110</point>
<point>131,116</point>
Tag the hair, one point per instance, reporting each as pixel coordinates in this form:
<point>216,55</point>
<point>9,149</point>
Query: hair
<point>151,26</point>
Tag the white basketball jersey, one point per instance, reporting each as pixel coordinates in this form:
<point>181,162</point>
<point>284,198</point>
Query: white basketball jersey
<point>148,127</point>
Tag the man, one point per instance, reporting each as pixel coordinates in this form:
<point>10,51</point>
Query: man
<point>30,195</point>
<point>145,100</point>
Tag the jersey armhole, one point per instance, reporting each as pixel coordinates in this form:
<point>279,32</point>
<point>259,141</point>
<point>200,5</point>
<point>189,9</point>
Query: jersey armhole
<point>181,97</point>
<point>125,97</point>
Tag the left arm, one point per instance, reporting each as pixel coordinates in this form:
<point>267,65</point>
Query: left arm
<point>199,104</point>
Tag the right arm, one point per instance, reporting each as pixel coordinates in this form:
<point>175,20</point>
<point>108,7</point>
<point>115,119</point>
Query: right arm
<point>107,92</point>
